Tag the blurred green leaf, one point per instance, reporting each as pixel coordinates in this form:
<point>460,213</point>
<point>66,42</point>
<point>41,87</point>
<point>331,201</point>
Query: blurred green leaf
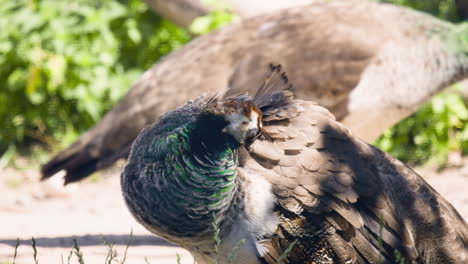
<point>56,65</point>
<point>216,19</point>
<point>201,25</point>
<point>34,80</point>
<point>456,105</point>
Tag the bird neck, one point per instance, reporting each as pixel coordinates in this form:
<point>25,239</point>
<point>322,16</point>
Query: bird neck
<point>455,41</point>
<point>207,136</point>
<point>201,174</point>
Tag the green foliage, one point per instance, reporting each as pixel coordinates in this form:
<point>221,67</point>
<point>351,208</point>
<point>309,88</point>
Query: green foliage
<point>63,64</point>
<point>431,133</point>
<point>444,9</point>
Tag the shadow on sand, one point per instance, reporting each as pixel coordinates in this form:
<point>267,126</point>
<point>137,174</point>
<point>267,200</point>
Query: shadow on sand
<point>89,240</point>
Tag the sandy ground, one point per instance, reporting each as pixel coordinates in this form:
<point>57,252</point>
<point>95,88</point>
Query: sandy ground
<point>94,212</point>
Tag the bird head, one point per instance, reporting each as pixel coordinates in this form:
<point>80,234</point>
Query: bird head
<point>241,116</point>
<point>242,119</point>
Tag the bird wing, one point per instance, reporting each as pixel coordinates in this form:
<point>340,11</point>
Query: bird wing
<point>342,200</point>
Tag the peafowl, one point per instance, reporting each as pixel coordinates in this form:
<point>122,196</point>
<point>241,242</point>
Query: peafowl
<point>278,179</point>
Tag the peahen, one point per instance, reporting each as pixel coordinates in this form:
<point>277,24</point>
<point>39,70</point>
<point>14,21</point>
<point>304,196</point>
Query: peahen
<point>371,64</point>
<point>269,176</point>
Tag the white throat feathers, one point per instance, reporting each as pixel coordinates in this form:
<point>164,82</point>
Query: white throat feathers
<point>241,126</point>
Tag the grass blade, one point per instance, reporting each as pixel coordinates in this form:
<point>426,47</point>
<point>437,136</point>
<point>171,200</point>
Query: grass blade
<point>69,256</point>
<point>233,255</point>
<point>110,253</point>
<point>16,250</point>
<point>286,252</point>
<point>78,253</point>
<point>35,250</point>
<point>217,245</point>
<point>195,256</point>
<point>129,241</point>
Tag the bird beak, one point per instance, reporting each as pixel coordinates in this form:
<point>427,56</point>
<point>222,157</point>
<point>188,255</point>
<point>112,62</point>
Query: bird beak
<point>251,135</point>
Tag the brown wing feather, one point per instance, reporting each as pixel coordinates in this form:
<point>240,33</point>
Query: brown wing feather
<point>345,201</point>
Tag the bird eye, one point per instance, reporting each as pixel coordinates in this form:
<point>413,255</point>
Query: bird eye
<point>245,123</point>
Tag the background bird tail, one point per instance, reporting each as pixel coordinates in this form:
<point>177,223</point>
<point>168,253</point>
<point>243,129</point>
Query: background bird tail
<point>78,162</point>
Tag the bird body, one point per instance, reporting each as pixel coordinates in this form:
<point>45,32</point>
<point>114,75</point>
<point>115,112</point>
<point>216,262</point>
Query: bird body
<point>270,174</point>
<point>359,59</point>
<point>196,176</point>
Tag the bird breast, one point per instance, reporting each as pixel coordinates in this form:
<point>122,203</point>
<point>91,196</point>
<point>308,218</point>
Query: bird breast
<point>256,220</point>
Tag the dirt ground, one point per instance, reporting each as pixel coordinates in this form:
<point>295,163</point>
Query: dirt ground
<point>93,212</point>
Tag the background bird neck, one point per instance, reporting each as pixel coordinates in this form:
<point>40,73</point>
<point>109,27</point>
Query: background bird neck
<point>455,41</point>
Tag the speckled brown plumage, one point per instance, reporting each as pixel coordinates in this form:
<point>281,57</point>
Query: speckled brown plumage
<point>345,201</point>
<point>336,198</point>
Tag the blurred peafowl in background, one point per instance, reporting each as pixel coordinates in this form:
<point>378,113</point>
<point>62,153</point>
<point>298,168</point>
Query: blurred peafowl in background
<point>370,64</point>
<point>270,174</point>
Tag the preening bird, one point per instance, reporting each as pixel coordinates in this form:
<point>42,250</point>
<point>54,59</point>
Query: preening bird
<point>371,64</point>
<point>270,173</point>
